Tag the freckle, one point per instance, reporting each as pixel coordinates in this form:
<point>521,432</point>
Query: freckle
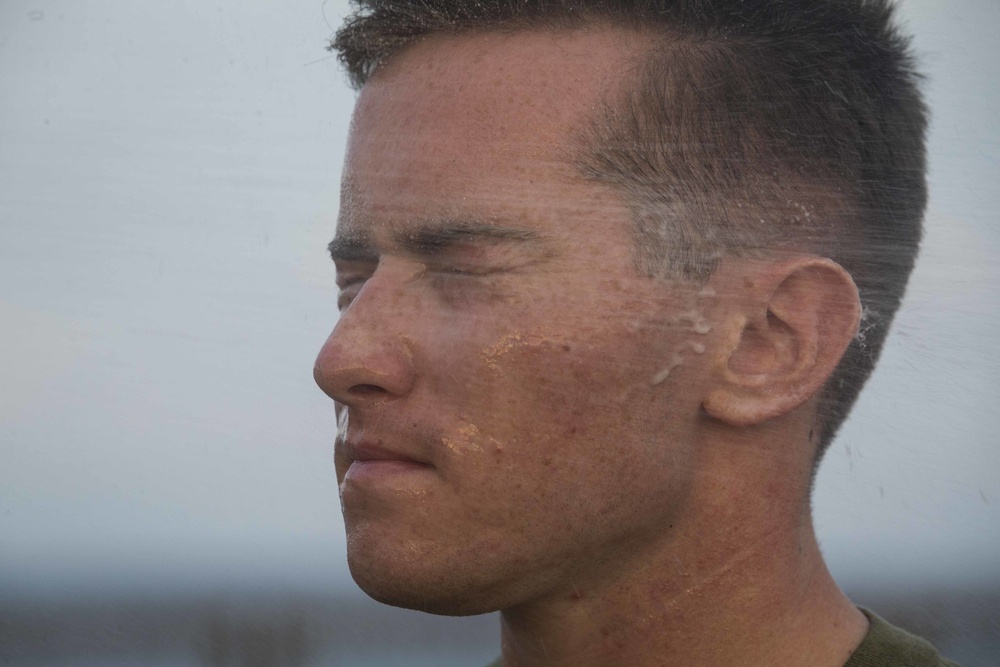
<point>566,347</point>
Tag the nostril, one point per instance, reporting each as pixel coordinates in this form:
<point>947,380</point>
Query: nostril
<point>366,390</point>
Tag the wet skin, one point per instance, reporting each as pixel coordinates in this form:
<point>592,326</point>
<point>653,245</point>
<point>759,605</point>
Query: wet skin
<point>507,428</point>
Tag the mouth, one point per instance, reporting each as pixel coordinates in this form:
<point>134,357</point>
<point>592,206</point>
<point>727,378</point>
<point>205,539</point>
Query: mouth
<point>371,462</point>
<point>384,469</point>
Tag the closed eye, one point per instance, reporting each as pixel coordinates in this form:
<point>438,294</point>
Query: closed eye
<point>348,293</point>
<point>349,283</point>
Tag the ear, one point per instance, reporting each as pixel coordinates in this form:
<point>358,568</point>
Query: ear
<point>785,333</point>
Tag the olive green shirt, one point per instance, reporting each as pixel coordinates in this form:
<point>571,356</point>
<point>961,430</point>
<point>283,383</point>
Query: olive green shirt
<point>885,645</point>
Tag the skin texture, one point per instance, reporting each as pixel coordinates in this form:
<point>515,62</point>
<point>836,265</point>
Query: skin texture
<point>619,463</point>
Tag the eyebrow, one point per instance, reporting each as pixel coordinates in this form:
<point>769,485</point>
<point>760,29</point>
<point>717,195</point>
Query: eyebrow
<point>429,239</point>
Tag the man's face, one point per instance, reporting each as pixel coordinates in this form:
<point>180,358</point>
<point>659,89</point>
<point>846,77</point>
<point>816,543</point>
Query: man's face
<point>508,427</point>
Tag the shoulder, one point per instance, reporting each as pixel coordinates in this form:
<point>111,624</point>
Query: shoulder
<point>886,645</point>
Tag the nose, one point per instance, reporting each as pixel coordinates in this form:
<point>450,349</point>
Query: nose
<point>367,358</point>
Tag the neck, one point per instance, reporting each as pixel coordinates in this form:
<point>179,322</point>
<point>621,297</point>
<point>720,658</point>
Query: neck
<point>750,589</point>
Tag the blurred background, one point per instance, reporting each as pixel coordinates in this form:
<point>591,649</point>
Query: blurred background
<point>168,182</point>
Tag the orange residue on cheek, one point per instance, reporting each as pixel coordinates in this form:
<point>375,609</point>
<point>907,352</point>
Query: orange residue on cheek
<point>510,342</point>
<point>465,438</point>
<point>468,438</point>
<point>409,344</point>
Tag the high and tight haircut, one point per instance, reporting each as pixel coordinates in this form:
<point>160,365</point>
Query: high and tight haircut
<point>748,127</point>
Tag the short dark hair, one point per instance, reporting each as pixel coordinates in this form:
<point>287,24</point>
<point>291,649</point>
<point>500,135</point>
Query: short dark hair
<point>750,126</point>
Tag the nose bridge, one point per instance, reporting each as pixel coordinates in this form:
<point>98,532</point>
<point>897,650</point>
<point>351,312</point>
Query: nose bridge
<point>368,354</point>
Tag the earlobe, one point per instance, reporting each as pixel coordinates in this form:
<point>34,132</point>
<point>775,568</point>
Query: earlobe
<point>783,341</point>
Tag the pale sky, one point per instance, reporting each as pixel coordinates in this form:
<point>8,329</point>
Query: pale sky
<point>168,183</point>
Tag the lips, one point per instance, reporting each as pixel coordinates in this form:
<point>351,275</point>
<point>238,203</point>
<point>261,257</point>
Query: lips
<point>367,452</point>
<point>368,463</point>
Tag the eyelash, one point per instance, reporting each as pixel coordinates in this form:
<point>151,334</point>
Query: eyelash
<point>440,277</point>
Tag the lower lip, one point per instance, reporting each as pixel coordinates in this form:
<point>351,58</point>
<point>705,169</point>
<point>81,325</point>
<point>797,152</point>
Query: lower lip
<point>384,469</point>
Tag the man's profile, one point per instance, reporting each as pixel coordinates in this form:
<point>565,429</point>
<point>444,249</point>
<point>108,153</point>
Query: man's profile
<point>612,274</point>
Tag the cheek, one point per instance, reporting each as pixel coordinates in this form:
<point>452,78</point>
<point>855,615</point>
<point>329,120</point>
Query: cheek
<point>565,439</point>
<point>570,377</point>
<point>555,391</point>
<point>548,369</point>
<point>580,368</point>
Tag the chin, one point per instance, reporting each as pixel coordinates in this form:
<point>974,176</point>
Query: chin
<point>412,582</point>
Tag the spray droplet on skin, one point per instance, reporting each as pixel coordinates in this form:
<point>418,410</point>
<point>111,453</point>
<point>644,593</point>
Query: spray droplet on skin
<point>698,348</point>
<point>707,292</point>
<point>697,321</point>
<point>660,377</point>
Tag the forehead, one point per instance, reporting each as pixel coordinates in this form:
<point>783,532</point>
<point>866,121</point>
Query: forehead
<point>481,124</point>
